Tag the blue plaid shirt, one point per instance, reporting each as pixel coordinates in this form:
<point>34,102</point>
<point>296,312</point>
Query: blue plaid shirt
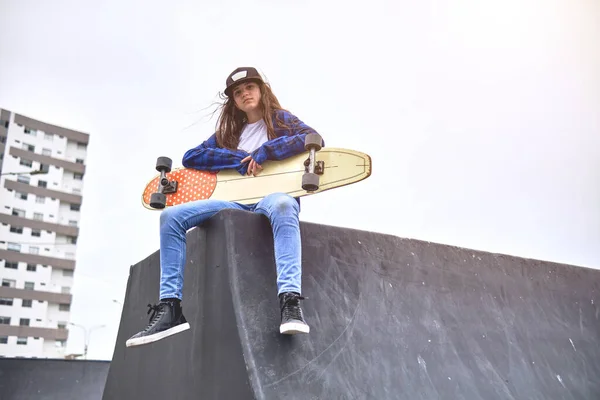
<point>209,156</point>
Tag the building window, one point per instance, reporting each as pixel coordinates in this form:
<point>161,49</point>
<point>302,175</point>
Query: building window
<point>78,177</point>
<point>21,195</point>
<point>40,199</point>
<point>28,147</point>
<point>36,232</point>
<point>3,339</point>
<point>34,250</point>
<point>9,283</point>
<point>46,152</point>
<point>4,320</point>
<point>11,265</point>
<point>64,307</point>
<point>29,131</point>
<point>23,179</point>
<point>81,146</point>
<point>29,285</point>
<point>16,229</point>
<point>79,160</point>
<point>27,163</point>
<point>72,239</point>
<point>31,267</point>
<point>13,246</point>
<point>42,184</point>
<point>72,223</point>
<point>75,207</point>
<point>48,136</point>
<point>6,302</point>
<point>38,216</point>
<point>21,340</point>
<point>62,325</point>
<point>24,322</point>
<point>60,343</point>
<point>65,290</point>
<point>67,272</point>
<point>18,212</point>
<point>26,303</point>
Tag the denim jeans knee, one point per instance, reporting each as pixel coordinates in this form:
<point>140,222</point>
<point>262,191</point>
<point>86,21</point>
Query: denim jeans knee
<point>279,203</point>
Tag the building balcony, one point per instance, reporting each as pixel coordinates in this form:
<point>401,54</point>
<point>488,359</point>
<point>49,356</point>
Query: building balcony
<point>41,191</point>
<point>55,263</point>
<point>70,134</point>
<point>14,220</point>
<point>30,155</point>
<point>31,331</point>
<point>26,294</point>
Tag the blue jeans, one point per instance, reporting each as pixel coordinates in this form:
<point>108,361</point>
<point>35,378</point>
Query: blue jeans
<point>282,211</point>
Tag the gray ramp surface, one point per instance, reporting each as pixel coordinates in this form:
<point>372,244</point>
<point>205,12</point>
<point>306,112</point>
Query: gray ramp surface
<point>390,318</point>
<point>51,379</point>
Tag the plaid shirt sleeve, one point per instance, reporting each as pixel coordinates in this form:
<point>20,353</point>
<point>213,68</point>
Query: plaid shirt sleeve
<point>289,143</point>
<point>209,157</point>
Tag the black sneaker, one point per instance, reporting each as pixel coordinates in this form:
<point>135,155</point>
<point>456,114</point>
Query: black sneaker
<point>292,319</point>
<point>167,319</point>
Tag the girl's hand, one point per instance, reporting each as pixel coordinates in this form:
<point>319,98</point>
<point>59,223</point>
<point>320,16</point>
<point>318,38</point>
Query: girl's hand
<point>253,168</point>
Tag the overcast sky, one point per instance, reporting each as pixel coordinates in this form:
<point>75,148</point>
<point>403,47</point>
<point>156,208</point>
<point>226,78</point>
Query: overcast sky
<point>482,117</point>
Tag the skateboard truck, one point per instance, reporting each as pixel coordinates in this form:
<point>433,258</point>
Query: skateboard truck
<point>158,199</point>
<point>319,166</point>
<point>310,179</point>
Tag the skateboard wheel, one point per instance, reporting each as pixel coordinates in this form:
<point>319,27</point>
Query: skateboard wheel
<point>310,182</point>
<point>158,200</point>
<point>164,164</point>
<point>313,141</point>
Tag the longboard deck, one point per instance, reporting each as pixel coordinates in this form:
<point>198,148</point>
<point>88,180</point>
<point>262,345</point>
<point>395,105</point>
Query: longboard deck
<point>342,167</point>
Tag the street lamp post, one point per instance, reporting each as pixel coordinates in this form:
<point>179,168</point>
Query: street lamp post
<point>87,335</point>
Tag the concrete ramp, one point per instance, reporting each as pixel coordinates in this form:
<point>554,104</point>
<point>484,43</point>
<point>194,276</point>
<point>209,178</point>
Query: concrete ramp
<point>51,379</point>
<point>390,319</point>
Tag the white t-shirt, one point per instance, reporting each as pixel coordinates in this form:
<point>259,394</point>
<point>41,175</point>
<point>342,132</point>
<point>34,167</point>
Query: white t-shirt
<point>253,136</point>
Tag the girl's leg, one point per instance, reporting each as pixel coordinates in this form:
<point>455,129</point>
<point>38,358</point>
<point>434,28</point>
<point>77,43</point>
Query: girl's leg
<point>174,223</point>
<point>283,212</point>
<point>167,316</point>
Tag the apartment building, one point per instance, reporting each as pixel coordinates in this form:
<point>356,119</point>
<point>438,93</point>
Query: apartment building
<point>42,167</point>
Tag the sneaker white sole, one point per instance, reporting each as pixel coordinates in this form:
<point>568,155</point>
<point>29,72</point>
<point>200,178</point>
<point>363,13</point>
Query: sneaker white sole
<point>157,336</point>
<point>292,328</point>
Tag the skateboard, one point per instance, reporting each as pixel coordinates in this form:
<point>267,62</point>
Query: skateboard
<point>313,171</point>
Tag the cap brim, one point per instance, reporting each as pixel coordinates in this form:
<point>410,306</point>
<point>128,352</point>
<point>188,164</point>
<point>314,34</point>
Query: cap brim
<point>229,89</point>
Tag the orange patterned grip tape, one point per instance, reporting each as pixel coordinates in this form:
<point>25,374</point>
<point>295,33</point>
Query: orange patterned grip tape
<point>191,185</point>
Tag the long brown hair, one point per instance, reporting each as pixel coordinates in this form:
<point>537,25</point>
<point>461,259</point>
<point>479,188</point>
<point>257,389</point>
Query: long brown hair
<point>232,120</point>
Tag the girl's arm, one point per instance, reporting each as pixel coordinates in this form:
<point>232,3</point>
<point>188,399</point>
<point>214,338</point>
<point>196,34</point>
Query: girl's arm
<point>285,146</point>
<point>209,157</point>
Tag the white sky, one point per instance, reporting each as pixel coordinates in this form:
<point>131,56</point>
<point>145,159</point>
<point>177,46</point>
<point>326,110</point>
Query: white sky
<point>482,117</point>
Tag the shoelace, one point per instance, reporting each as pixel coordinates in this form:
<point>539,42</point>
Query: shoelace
<point>157,312</point>
<point>291,309</point>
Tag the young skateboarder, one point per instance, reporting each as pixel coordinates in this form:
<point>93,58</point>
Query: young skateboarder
<point>252,128</point>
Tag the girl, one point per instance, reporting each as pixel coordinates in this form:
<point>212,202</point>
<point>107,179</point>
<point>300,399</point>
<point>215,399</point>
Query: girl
<point>252,128</point>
